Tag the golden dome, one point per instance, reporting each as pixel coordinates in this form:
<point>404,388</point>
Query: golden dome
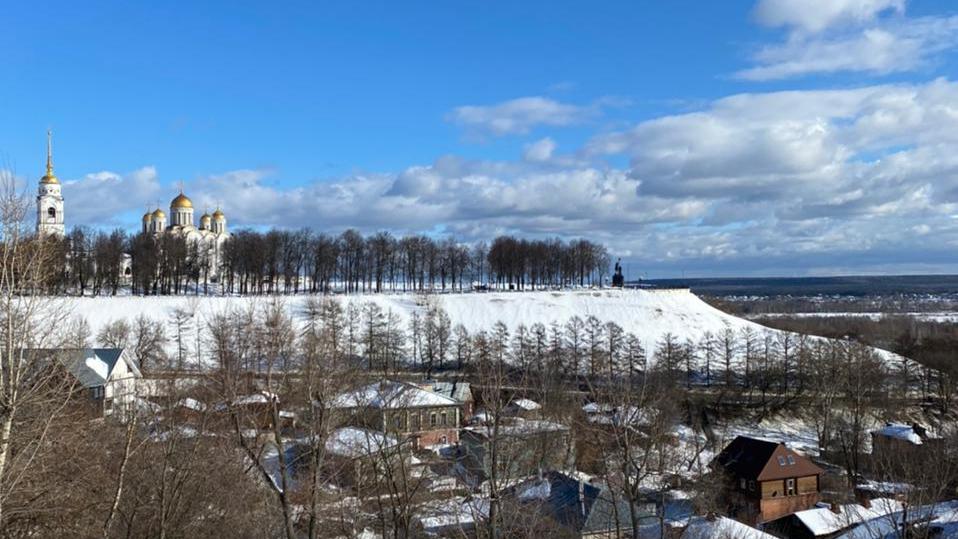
<point>147,217</point>
<point>205,218</point>
<point>181,201</point>
<point>218,214</point>
<point>159,214</point>
<point>49,178</point>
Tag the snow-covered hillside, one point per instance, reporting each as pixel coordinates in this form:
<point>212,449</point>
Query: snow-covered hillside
<point>649,314</point>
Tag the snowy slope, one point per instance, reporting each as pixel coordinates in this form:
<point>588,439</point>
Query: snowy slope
<point>649,314</point>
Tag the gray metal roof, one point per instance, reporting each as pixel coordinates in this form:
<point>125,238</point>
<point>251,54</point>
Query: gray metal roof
<point>92,367</point>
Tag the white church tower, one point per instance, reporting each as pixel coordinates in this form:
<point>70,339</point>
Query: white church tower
<point>49,199</point>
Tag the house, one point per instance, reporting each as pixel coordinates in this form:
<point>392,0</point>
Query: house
<point>897,446</point>
<point>426,418</point>
<point>454,517</point>
<point>525,447</point>
<point>573,507</point>
<point>766,480</point>
<point>828,522</point>
<point>106,377</point>
<point>460,392</point>
<point>357,456</point>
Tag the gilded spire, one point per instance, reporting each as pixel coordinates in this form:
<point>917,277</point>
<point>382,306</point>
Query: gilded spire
<point>49,152</point>
<point>50,177</point>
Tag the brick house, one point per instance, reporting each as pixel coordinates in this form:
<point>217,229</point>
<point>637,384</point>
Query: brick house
<point>766,480</point>
<point>404,410</point>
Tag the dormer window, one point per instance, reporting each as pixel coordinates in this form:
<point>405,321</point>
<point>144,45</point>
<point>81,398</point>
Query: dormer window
<point>791,459</point>
<point>781,461</point>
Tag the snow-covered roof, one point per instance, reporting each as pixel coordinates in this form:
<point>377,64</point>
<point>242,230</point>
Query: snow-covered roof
<point>92,367</point>
<point>825,521</point>
<point>263,397</point>
<point>390,395</point>
<point>528,405</point>
<point>459,391</point>
<point>190,403</point>
<point>519,427</point>
<point>354,442</point>
<point>900,432</point>
<point>721,528</point>
<point>454,513</point>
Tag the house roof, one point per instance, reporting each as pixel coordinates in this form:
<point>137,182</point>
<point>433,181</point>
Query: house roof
<point>92,367</point>
<point>721,528</point>
<point>459,391</point>
<point>353,442</point>
<point>762,460</point>
<point>528,405</point>
<point>517,427</point>
<point>580,506</point>
<point>899,432</point>
<point>391,395</point>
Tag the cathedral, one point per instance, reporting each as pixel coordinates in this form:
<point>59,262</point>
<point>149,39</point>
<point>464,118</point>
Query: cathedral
<point>208,238</point>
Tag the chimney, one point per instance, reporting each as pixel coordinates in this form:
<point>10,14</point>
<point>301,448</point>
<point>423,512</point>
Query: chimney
<point>710,516</point>
<point>866,502</point>
<point>835,508</point>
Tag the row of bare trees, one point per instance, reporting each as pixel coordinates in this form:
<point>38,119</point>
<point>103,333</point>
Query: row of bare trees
<point>290,262</point>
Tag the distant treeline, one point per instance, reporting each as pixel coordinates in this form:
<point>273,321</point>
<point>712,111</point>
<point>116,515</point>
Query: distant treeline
<point>290,262</point>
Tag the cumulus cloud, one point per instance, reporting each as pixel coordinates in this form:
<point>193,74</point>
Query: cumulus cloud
<point>520,116</point>
<point>97,198</point>
<point>863,36</point>
<point>540,150</point>
<point>764,182</point>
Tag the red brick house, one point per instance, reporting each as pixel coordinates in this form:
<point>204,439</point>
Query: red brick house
<point>426,418</point>
<point>766,480</point>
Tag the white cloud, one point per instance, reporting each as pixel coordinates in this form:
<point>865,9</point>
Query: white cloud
<point>879,50</point>
<point>540,150</point>
<point>97,198</point>
<point>817,15</point>
<point>520,116</point>
<point>861,36</point>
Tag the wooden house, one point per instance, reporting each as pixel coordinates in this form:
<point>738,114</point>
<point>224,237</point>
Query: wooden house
<point>766,480</point>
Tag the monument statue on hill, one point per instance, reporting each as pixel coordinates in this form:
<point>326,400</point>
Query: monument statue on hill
<point>618,280</point>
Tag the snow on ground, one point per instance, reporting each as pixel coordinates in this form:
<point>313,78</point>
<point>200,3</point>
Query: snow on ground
<point>792,431</point>
<point>649,314</point>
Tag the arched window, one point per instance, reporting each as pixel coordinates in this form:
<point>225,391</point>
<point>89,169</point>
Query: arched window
<point>52,213</point>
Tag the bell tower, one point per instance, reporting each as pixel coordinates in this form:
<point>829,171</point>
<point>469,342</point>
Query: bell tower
<point>49,198</point>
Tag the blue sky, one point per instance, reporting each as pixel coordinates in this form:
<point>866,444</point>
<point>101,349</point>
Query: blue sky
<point>700,138</point>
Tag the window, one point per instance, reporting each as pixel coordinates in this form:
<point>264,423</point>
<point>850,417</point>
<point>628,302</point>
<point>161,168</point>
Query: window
<point>432,419</point>
<point>52,213</point>
<point>741,484</point>
<point>781,461</point>
<point>751,486</point>
<point>442,439</point>
<point>442,419</point>
<point>791,459</point>
<point>397,421</point>
<point>789,487</point>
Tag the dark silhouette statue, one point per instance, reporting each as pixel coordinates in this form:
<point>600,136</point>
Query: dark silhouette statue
<point>618,280</point>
